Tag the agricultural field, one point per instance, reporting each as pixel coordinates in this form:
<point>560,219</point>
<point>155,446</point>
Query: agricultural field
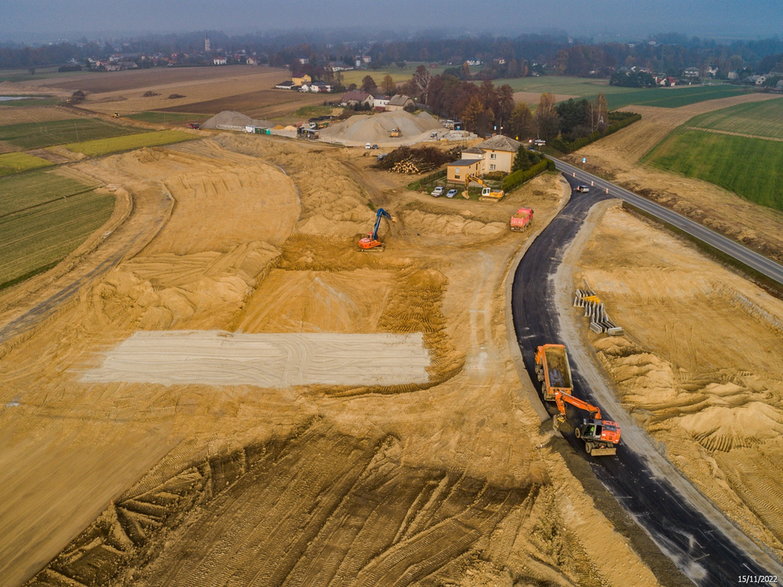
<point>24,75</point>
<point>167,117</point>
<point>11,163</point>
<point>100,147</point>
<point>33,239</point>
<point>761,119</point>
<point>30,101</point>
<point>24,191</point>
<point>34,135</point>
<point>264,104</point>
<point>672,97</point>
<point>564,87</point>
<point>750,167</point>
<point>398,74</point>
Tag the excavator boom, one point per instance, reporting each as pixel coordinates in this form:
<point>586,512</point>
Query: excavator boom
<point>371,241</point>
<point>601,437</point>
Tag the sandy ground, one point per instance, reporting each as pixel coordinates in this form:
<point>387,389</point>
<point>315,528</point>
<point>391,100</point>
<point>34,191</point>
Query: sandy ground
<point>618,155</point>
<point>265,360</point>
<point>699,366</point>
<point>451,480</point>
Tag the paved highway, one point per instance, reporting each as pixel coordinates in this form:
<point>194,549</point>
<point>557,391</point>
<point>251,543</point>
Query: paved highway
<point>732,248</point>
<point>691,532</point>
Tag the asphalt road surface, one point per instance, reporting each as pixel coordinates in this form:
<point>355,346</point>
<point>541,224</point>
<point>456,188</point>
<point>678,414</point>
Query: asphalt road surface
<point>760,263</point>
<point>698,546</point>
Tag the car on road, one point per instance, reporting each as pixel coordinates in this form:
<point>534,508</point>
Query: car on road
<point>451,193</point>
<point>438,191</point>
<point>582,189</point>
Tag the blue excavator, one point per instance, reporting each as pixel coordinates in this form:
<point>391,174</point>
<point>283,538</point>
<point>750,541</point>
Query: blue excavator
<point>371,242</point>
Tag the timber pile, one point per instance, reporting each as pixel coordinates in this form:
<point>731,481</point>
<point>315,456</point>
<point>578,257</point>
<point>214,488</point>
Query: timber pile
<point>406,166</point>
<point>414,161</point>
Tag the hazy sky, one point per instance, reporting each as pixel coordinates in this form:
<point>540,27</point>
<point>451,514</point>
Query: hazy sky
<point>705,18</point>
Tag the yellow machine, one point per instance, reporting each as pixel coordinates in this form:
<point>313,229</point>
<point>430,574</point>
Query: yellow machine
<point>487,193</point>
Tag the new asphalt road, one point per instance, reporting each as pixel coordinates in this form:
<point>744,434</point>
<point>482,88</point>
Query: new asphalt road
<point>704,545</point>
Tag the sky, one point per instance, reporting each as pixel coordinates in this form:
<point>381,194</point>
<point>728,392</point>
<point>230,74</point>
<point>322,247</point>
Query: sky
<point>60,19</point>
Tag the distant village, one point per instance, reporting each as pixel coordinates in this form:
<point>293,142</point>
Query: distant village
<point>300,81</point>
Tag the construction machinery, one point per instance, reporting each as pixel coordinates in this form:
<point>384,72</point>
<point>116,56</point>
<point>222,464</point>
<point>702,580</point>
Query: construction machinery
<point>553,370</point>
<point>395,132</point>
<point>371,242</point>
<point>601,437</point>
<point>487,193</point>
<point>521,219</point>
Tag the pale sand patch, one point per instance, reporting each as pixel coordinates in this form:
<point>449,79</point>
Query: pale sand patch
<point>215,357</point>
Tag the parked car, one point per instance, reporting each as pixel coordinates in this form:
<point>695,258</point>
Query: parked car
<point>375,147</point>
<point>451,193</point>
<point>582,188</point>
<point>438,191</point>
<point>367,146</point>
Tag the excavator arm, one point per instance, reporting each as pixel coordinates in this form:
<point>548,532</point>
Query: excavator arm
<point>563,398</point>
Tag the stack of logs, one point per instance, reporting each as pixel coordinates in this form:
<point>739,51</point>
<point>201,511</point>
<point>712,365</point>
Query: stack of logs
<point>408,166</point>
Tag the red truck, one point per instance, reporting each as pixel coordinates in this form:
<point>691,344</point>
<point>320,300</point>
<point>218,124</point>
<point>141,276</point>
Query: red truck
<point>521,219</point>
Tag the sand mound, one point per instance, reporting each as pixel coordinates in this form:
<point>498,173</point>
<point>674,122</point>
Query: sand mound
<point>374,128</point>
<point>230,118</point>
<point>725,428</point>
<point>452,225</point>
<point>166,290</point>
<point>318,301</point>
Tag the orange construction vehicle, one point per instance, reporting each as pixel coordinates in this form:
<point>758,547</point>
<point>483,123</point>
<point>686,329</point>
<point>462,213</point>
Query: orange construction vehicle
<point>601,437</point>
<point>372,242</point>
<point>553,370</point>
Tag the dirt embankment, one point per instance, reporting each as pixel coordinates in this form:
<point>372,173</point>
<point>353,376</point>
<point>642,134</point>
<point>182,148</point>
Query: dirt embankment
<point>700,365</point>
<point>450,481</point>
<point>617,157</point>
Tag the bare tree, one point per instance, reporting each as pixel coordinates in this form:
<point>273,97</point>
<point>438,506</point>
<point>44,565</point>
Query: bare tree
<point>546,117</point>
<point>421,80</point>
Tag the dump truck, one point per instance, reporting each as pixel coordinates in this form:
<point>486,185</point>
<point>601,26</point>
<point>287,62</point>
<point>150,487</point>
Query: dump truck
<point>521,219</point>
<point>395,132</point>
<point>600,436</point>
<point>553,370</point>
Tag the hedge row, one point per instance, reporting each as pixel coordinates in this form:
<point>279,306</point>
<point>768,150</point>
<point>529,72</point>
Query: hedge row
<point>517,178</point>
<point>416,185</point>
<point>571,146</point>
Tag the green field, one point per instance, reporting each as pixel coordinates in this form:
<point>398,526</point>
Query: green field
<point>761,119</point>
<point>398,74</point>
<point>31,101</point>
<point>168,117</point>
<point>11,163</point>
<point>24,75</point>
<point>129,142</point>
<point>616,96</point>
<point>34,135</point>
<point>33,240</point>
<point>748,167</point>
<point>19,192</point>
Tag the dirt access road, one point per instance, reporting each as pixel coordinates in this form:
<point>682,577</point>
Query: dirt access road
<point>449,480</point>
